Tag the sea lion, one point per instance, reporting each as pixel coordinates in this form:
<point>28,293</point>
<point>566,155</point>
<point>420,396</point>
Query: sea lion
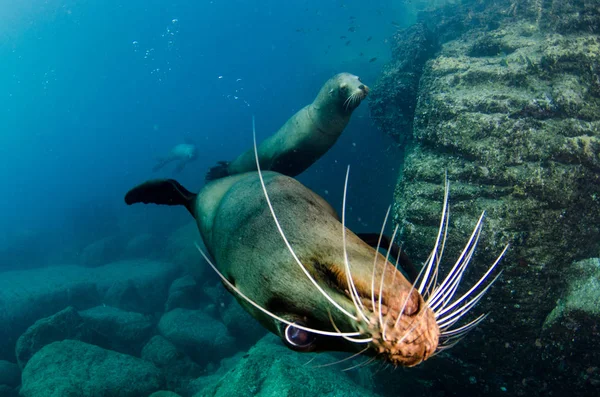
<point>305,136</point>
<point>183,153</point>
<point>282,251</point>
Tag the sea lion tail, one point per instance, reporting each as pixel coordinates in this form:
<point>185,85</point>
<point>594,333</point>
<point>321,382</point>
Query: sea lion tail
<point>162,192</point>
<point>221,170</point>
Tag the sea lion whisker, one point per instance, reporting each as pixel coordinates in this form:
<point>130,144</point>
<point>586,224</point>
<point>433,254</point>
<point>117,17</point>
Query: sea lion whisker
<point>265,311</point>
<point>387,214</point>
<point>288,245</point>
<point>364,363</point>
<point>342,360</point>
<point>387,256</point>
<point>455,274</point>
<point>454,316</point>
<point>310,361</point>
<point>437,241</point>
<point>441,348</point>
<point>365,340</point>
<point>352,288</point>
<point>474,287</point>
<point>347,102</point>
<point>431,287</point>
<point>465,328</point>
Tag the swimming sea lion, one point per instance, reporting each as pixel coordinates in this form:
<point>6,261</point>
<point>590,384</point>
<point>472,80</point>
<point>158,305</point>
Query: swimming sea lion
<point>283,252</point>
<point>307,135</point>
<point>182,153</point>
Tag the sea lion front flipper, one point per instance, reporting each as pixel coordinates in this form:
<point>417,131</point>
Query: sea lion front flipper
<point>394,249</point>
<point>162,191</point>
<point>221,170</point>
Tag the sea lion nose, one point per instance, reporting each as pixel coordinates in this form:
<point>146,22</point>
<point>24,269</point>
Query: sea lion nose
<point>364,88</point>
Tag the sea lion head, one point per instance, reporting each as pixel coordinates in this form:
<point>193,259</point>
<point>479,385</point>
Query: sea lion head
<point>344,91</point>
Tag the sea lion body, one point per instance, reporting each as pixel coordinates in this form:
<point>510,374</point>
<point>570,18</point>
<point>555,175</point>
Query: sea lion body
<point>240,234</point>
<point>182,153</point>
<point>305,136</point>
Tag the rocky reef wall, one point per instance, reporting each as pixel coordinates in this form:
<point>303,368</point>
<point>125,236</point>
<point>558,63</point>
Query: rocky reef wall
<point>509,107</point>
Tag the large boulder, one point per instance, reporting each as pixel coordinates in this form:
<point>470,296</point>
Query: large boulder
<point>570,335</point>
<point>270,369</point>
<point>177,367</point>
<point>100,252</point>
<point>28,295</point>
<point>66,324</point>
<point>181,249</point>
<point>201,336</point>
<point>184,293</point>
<point>75,369</point>
<point>245,328</point>
<point>117,329</point>
<point>511,111</point>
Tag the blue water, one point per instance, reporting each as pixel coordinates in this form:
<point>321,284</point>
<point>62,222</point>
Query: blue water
<point>92,92</point>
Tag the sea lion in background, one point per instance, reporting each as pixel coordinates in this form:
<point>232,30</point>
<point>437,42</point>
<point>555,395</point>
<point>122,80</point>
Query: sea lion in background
<point>282,251</point>
<point>182,153</point>
<point>307,135</point>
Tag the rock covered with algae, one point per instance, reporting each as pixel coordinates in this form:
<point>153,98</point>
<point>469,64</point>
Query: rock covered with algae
<point>270,369</point>
<point>73,368</point>
<point>511,110</point>
<point>571,332</point>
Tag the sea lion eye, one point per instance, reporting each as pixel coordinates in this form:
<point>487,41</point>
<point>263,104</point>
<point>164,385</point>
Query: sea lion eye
<point>297,338</point>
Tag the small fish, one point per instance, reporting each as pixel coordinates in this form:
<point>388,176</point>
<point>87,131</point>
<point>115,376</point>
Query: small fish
<point>369,38</point>
<point>343,37</point>
<point>351,17</point>
<point>372,59</point>
<point>348,42</point>
<point>351,29</point>
<point>361,54</point>
<point>396,24</point>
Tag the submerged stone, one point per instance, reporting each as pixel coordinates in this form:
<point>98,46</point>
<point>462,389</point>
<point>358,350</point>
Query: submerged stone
<point>77,369</point>
<point>270,369</point>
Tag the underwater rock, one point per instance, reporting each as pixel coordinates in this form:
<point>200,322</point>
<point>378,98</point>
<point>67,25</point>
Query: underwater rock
<point>144,292</point>
<point>142,246</point>
<point>118,330</point>
<point>163,393</point>
<point>178,369</point>
<point>241,325</point>
<point>29,295</point>
<point>184,293</point>
<point>74,368</point>
<point>392,109</point>
<point>270,369</point>
<point>201,336</point>
<point>66,324</point>
<point>10,374</point>
<point>512,112</point>
<point>100,252</point>
<point>181,250</point>
<point>571,333</point>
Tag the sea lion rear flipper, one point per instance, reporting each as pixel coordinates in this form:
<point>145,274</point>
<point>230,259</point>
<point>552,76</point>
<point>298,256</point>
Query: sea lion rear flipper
<point>221,170</point>
<point>162,191</point>
<point>394,249</point>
